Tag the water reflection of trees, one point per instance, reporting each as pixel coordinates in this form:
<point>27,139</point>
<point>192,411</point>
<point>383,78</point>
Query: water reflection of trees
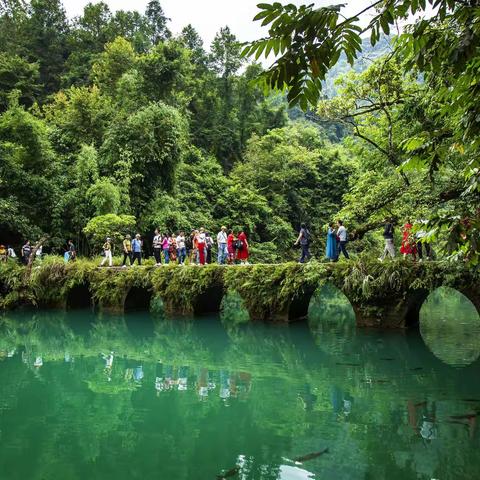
<point>450,327</point>
<point>202,397</point>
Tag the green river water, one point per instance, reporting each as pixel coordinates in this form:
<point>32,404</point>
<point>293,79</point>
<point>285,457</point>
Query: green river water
<point>85,396</point>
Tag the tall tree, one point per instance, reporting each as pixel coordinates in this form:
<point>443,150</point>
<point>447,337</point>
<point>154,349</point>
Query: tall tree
<point>157,23</point>
<point>47,41</point>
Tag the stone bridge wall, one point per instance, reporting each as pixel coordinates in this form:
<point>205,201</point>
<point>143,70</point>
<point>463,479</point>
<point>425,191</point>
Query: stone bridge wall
<point>387,295</point>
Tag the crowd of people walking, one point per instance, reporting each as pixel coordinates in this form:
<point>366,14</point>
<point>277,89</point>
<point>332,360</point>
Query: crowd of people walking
<point>196,248</point>
<point>337,239</point>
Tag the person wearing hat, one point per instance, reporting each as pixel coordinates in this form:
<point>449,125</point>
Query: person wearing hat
<point>137,249</point>
<point>107,250</point>
<point>127,250</point>
<point>3,253</point>
<point>222,246</point>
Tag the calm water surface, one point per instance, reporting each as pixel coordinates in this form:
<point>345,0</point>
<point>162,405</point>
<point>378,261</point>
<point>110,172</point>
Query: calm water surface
<point>95,397</point>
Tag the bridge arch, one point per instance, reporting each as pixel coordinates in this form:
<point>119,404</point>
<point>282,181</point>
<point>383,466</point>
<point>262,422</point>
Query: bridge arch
<point>450,306</point>
<point>450,326</point>
<point>329,304</point>
<point>209,300</point>
<point>137,299</point>
<point>299,304</point>
<point>79,296</point>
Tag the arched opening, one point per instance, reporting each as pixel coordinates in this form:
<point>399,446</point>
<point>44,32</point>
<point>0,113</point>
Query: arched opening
<point>138,299</point>
<point>233,311</point>
<point>450,326</point>
<point>330,306</point>
<point>4,289</point>
<point>412,305</point>
<point>298,308</point>
<point>209,301</point>
<point>79,297</point>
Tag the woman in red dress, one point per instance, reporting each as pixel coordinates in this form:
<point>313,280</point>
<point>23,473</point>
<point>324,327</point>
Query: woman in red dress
<point>409,246</point>
<point>231,247</point>
<point>242,252</point>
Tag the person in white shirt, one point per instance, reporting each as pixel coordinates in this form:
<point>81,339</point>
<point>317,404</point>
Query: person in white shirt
<point>181,248</point>
<point>222,246</point>
<point>157,248</point>
<point>342,240</point>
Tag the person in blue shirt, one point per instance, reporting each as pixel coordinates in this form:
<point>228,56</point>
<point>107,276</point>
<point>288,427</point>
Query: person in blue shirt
<point>137,244</point>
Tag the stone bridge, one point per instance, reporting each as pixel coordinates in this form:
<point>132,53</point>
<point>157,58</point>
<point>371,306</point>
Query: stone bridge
<point>387,295</point>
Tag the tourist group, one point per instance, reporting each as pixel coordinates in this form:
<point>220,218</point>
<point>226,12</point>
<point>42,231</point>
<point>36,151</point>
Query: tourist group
<point>337,238</point>
<point>196,248</point>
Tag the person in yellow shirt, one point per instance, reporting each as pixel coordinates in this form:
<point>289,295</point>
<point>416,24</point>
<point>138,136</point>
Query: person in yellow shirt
<point>127,250</point>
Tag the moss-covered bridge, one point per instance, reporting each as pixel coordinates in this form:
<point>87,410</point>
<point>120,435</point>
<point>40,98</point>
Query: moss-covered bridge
<point>381,294</point>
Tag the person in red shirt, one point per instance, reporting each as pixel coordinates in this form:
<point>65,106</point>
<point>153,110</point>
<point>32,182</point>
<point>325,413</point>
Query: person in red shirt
<point>242,253</point>
<point>409,246</point>
<point>231,247</point>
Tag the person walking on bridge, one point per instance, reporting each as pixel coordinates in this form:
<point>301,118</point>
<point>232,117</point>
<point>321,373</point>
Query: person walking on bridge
<point>157,248</point>
<point>242,249</point>
<point>342,240</point>
<point>304,241</point>
<point>107,252</point>
<point>137,249</point>
<point>331,250</point>
<point>26,251</point>
<point>181,248</point>
<point>222,246</point>
<point>388,232</point>
<point>127,250</point>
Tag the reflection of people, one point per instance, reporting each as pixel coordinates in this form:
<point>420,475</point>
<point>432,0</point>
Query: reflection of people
<point>342,402</point>
<point>426,426</point>
<point>182,379</point>
<point>308,397</point>
<point>224,385</point>
<point>202,384</point>
<point>108,365</point>
<point>138,373</point>
<point>168,382</point>
<point>159,377</point>
<point>244,381</point>
<point>108,360</point>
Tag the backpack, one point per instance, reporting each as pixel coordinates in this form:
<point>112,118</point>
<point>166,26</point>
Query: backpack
<point>238,244</point>
<point>305,240</point>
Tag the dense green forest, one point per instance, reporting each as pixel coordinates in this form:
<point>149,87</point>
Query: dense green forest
<point>109,123</point>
